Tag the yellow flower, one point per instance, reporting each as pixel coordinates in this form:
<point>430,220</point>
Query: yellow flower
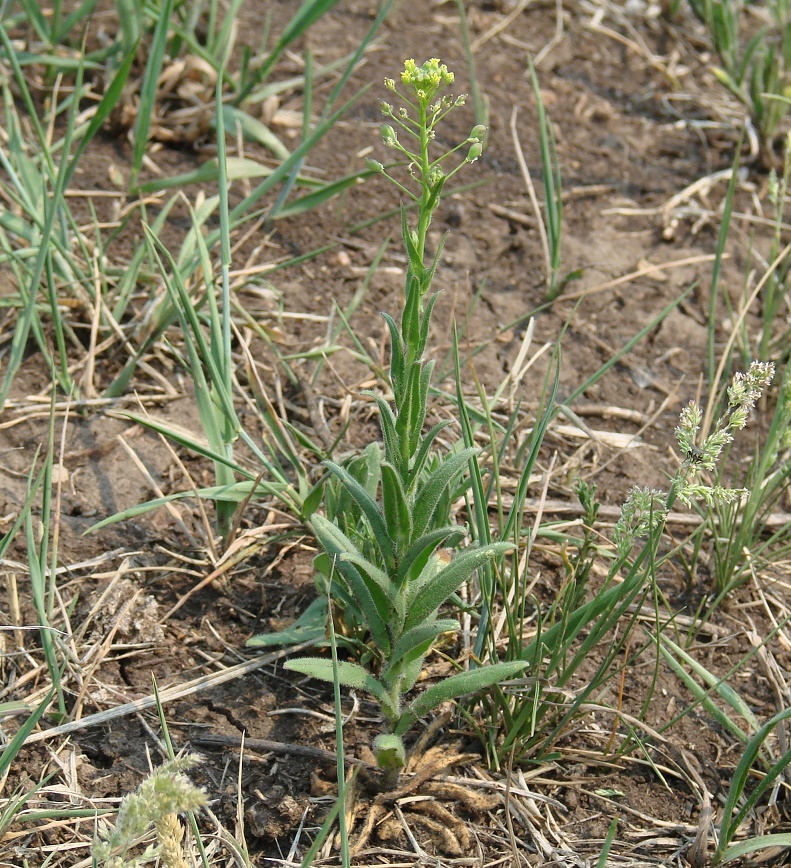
<point>424,81</point>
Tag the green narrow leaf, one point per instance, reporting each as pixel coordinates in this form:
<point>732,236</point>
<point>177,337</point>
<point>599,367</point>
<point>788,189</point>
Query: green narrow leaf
<point>371,510</point>
<point>703,696</point>
<point>253,130</point>
<point>736,851</point>
<point>418,553</point>
<point>431,491</point>
<point>730,823</point>
<point>239,168</point>
<point>438,588</point>
<point>321,195</point>
<point>456,686</point>
<point>426,323</point>
<point>422,454</point>
<point>350,674</point>
<point>15,745</point>
<point>148,89</point>
<point>337,544</point>
<point>396,509</point>
<point>418,636</point>
<point>396,356</point>
<point>412,251</point>
<point>236,493</point>
<point>378,577</point>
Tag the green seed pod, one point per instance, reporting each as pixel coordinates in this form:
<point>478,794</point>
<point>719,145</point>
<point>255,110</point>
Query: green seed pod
<point>475,151</point>
<point>389,136</point>
<point>374,165</point>
<point>477,133</point>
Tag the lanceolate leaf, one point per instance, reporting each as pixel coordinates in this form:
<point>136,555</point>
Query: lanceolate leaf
<point>396,508</point>
<point>418,553</point>
<point>422,453</point>
<point>396,357</point>
<point>423,385</point>
<point>387,421</point>
<point>410,414</point>
<point>430,493</point>
<point>424,325</point>
<point>456,686</point>
<point>371,510</point>
<point>439,587</point>
<point>414,256</point>
<point>417,636</point>
<point>336,543</point>
<point>349,674</point>
<point>377,576</point>
<point>410,319</point>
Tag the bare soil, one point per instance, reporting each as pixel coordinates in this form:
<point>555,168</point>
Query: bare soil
<point>638,117</point>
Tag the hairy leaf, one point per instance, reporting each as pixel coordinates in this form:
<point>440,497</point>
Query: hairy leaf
<point>349,674</point>
<point>439,587</point>
<point>372,602</point>
<point>456,686</point>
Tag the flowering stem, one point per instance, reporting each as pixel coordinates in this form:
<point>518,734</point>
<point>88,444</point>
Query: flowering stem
<point>424,218</point>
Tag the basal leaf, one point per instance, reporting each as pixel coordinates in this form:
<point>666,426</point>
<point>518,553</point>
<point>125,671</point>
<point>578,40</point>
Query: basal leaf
<point>456,686</point>
<point>349,674</point>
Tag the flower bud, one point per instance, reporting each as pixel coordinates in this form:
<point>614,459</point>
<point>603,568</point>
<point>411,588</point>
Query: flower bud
<point>475,151</point>
<point>435,177</point>
<point>386,108</point>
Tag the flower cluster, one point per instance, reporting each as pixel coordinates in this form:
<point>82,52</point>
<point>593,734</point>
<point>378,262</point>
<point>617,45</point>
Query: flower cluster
<point>743,393</point>
<point>746,389</point>
<point>165,793</point>
<point>643,512</point>
<point>417,119</point>
<point>424,81</point>
<point>645,508</point>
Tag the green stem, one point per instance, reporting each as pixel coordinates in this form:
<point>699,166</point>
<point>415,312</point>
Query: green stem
<point>424,217</point>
